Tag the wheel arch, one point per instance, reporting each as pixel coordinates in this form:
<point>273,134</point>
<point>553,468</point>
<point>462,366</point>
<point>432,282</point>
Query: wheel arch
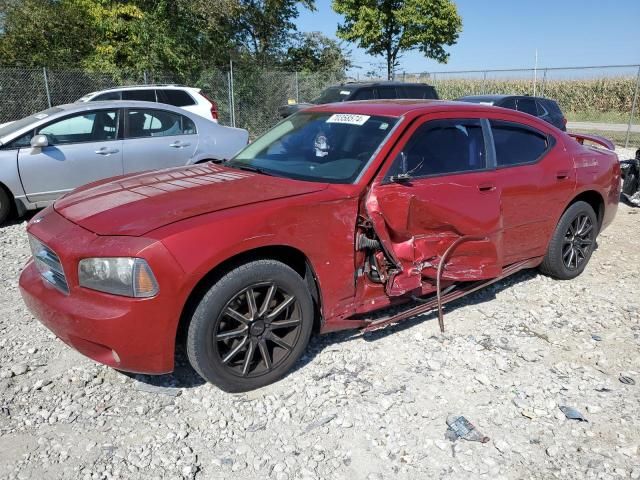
<point>14,206</point>
<point>593,198</point>
<point>286,254</point>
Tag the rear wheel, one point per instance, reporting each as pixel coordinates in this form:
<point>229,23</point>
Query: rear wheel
<point>5,206</point>
<point>251,327</point>
<point>572,242</point>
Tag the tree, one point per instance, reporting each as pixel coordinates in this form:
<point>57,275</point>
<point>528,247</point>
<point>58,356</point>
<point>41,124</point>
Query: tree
<point>313,52</point>
<point>390,27</point>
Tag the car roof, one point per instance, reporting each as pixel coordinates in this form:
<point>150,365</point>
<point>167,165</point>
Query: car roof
<point>397,107</point>
<point>389,83</point>
<point>498,97</point>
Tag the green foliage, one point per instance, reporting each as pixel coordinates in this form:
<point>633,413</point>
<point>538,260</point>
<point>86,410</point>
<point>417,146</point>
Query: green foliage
<point>184,37</point>
<point>313,52</point>
<point>389,27</point>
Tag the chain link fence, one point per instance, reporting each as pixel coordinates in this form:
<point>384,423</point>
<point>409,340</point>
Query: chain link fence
<point>247,97</point>
<point>602,100</point>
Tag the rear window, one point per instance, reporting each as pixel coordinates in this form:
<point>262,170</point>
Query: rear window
<point>177,98</point>
<point>387,92</point>
<point>140,95</point>
<point>552,106</point>
<point>516,144</point>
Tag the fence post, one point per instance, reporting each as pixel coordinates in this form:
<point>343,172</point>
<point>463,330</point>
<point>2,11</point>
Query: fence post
<point>297,89</point>
<point>144,75</point>
<point>484,82</point>
<point>46,85</point>
<point>233,100</point>
<point>633,110</point>
<point>544,79</point>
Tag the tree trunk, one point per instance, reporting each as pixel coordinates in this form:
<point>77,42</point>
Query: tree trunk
<point>389,65</point>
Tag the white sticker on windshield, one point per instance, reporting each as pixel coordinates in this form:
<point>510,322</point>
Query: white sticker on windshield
<point>485,103</point>
<point>344,92</point>
<point>349,118</point>
<point>40,116</point>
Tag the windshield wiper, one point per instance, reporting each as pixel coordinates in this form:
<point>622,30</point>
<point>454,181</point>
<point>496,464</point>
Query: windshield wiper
<point>249,168</point>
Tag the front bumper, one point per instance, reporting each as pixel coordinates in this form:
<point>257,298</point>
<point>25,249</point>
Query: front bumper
<point>131,334</point>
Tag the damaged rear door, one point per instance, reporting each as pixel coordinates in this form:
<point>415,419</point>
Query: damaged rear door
<point>440,188</point>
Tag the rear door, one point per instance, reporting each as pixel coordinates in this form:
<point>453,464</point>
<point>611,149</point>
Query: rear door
<point>82,148</point>
<point>536,179</point>
<point>156,138</point>
<point>439,189</point>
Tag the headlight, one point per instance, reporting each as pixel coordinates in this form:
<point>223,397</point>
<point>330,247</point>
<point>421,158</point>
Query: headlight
<point>130,277</point>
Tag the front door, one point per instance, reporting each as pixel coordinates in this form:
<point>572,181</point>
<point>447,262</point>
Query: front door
<point>439,189</point>
<point>157,139</point>
<point>82,148</point>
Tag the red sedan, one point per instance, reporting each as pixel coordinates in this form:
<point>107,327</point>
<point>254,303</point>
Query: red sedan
<point>335,214</point>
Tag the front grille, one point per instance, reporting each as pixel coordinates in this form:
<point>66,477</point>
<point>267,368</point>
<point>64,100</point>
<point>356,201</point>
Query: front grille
<point>48,264</point>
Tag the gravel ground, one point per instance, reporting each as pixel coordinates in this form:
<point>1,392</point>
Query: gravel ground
<point>357,407</point>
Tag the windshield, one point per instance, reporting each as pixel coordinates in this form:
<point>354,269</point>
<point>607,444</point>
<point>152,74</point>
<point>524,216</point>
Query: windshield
<point>25,122</point>
<point>332,95</point>
<point>320,147</point>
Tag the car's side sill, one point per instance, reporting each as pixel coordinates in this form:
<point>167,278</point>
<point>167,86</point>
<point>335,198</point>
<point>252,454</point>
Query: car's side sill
<point>459,291</point>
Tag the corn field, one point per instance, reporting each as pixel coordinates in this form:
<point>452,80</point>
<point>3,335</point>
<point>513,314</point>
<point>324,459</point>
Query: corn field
<point>614,94</point>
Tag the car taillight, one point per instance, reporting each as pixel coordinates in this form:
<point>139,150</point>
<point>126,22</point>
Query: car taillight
<point>214,106</point>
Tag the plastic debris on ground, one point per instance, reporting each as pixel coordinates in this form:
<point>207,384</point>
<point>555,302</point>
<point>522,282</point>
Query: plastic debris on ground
<point>460,427</point>
<point>627,380</point>
<point>572,414</point>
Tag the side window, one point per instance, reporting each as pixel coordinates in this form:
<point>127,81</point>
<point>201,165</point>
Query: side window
<point>108,96</point>
<point>516,145</point>
<point>387,92</point>
<point>158,123</point>
<point>527,105</point>
<point>508,103</point>
<point>87,127</point>
<point>442,146</point>
<point>141,95</point>
<point>177,98</point>
<point>363,94</point>
<point>542,111</point>
<point>420,92</point>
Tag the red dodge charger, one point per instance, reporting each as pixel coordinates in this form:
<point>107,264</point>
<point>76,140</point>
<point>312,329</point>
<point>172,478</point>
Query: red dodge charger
<point>325,222</point>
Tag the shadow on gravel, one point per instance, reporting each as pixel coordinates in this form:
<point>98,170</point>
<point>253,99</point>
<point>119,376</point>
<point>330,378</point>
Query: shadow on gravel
<point>319,343</point>
<point>183,376</point>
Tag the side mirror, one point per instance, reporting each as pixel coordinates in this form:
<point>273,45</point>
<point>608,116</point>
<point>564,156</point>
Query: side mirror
<point>39,141</point>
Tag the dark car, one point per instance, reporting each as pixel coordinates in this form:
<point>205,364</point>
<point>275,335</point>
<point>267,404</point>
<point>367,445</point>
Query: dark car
<point>543,108</point>
<point>352,91</point>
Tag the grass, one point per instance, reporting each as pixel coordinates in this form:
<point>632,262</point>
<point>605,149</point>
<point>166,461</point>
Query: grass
<point>600,117</point>
<point>616,137</point>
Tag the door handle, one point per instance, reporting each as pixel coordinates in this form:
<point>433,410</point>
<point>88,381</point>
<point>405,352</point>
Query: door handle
<point>562,174</point>
<point>179,144</point>
<point>107,151</point>
<point>486,187</point>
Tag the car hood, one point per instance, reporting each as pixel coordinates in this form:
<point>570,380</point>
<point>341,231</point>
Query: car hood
<point>137,204</point>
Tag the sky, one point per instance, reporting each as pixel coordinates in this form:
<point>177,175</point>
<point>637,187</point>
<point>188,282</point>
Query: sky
<point>506,33</point>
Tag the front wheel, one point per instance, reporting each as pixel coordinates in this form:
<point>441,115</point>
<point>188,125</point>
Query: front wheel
<point>251,327</point>
<point>572,242</point>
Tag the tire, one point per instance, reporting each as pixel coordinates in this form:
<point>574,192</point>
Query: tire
<point>267,343</point>
<point>5,206</point>
<point>572,242</point>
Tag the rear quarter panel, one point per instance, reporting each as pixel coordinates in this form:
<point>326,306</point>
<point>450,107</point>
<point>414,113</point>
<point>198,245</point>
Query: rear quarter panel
<point>217,142</point>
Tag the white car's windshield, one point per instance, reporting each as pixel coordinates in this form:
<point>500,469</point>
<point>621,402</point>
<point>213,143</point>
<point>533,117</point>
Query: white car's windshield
<point>321,147</point>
